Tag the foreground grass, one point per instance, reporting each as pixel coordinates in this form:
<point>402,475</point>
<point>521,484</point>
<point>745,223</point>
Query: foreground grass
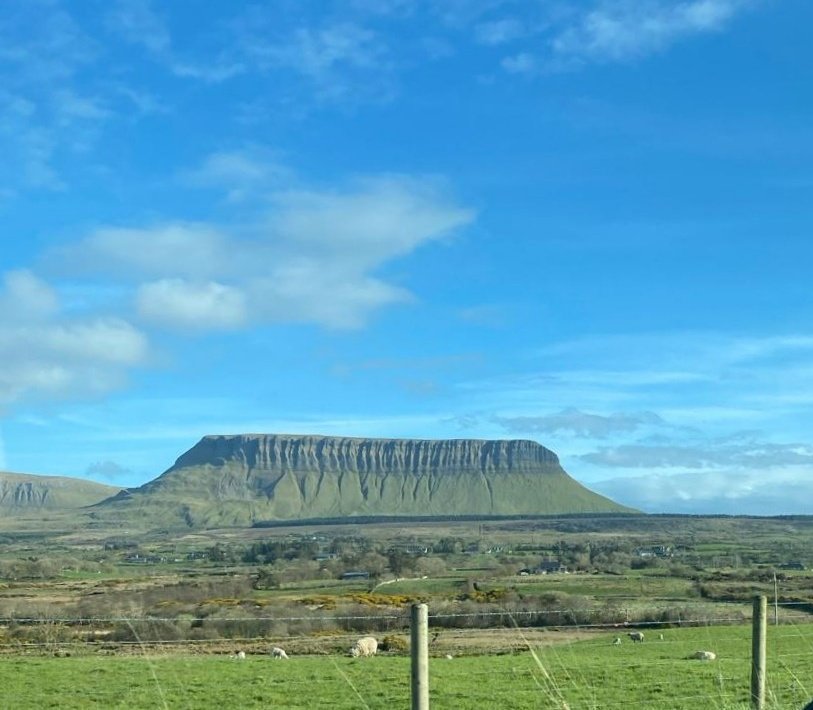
<point>587,674</point>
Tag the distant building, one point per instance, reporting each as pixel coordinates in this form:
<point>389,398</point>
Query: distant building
<point>325,556</point>
<point>355,575</point>
<point>551,567</point>
<point>411,548</point>
<point>792,565</point>
<point>654,551</point>
<point>544,567</point>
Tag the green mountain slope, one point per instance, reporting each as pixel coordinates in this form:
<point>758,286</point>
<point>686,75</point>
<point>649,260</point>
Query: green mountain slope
<point>244,479</point>
<point>22,493</point>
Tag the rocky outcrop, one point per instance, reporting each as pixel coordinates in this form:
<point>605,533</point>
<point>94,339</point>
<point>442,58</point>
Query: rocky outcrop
<point>243,479</point>
<point>330,454</point>
<point>20,493</point>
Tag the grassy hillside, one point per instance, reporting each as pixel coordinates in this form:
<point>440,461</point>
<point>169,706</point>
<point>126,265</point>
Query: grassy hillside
<point>22,493</point>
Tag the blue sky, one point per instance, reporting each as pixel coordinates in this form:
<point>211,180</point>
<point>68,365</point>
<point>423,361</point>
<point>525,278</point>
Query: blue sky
<point>581,222</point>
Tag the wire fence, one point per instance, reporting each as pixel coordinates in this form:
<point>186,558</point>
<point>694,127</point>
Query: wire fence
<point>488,658</point>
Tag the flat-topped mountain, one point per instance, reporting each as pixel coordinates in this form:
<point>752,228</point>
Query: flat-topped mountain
<point>243,479</point>
<point>23,493</point>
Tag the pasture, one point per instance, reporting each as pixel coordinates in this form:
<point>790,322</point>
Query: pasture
<point>150,620</point>
<point>589,673</point>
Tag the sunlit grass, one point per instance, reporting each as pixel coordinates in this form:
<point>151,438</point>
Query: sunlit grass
<point>584,674</point>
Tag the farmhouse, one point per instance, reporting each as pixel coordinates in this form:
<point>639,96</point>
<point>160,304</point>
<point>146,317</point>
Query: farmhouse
<point>551,567</point>
<point>356,575</point>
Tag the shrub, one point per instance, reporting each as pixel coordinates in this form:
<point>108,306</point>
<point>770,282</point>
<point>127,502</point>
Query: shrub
<point>395,644</point>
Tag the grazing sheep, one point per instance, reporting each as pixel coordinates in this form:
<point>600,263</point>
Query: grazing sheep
<point>636,636</point>
<point>365,646</point>
<point>278,652</point>
<point>239,655</point>
<point>449,656</point>
<point>660,637</point>
<point>704,655</point>
<point>617,641</point>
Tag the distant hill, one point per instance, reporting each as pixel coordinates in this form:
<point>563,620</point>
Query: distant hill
<point>24,493</point>
<point>250,478</point>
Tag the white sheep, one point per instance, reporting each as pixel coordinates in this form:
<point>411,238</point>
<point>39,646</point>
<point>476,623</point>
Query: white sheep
<point>704,655</point>
<point>636,636</point>
<point>239,655</point>
<point>365,646</point>
<point>617,641</point>
<point>449,656</point>
<point>278,652</point>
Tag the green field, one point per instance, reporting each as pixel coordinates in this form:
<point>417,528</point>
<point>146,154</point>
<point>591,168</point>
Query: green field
<point>589,674</point>
<point>155,629</point>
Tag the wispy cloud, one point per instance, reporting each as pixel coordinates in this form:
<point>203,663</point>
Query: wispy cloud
<point>41,49</point>
<point>498,32</point>
<point>241,173</point>
<point>582,424</point>
<point>701,406</point>
<point>618,30</point>
<point>139,23</point>
<point>340,60</point>
<point>753,454</point>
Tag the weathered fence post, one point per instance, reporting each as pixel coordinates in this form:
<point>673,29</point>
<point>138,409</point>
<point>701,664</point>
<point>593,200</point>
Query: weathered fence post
<point>758,653</point>
<point>419,650</point>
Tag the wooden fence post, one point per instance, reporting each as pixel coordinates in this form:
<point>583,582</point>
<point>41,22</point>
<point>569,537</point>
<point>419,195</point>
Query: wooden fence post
<point>758,652</point>
<point>419,651</point>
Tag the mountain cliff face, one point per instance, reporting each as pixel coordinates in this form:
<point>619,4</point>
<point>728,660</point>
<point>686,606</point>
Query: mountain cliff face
<point>21,493</point>
<point>248,478</point>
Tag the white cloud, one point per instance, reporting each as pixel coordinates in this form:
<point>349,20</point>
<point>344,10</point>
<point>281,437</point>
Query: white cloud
<point>25,297</point>
<point>314,292</point>
<point>173,249</point>
<point>46,355</point>
<point>314,257</point>
<point>109,341</point>
<point>625,29</point>
<point>771,491</point>
<point>378,219</point>
<point>179,303</point>
<point>240,172</point>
